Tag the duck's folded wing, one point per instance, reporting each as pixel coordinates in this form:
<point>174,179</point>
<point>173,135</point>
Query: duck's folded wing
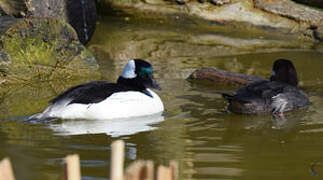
<point>264,89</point>
<point>237,97</point>
<point>256,91</point>
<point>92,92</point>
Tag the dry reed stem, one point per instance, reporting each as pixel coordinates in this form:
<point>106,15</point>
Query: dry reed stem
<point>6,172</point>
<point>72,167</point>
<point>140,170</point>
<point>117,160</point>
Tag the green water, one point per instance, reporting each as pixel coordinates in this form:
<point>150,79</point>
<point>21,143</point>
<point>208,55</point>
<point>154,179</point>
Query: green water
<point>197,131</point>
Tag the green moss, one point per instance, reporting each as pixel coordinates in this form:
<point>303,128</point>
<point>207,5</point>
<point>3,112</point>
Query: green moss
<point>29,51</point>
<point>45,49</point>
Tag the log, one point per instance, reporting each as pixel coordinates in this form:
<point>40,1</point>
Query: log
<point>81,14</point>
<point>215,75</point>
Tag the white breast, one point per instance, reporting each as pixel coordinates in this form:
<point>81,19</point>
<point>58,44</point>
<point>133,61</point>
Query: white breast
<point>118,105</point>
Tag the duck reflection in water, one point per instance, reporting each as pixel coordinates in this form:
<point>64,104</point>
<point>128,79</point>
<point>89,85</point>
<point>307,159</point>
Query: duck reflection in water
<point>111,127</point>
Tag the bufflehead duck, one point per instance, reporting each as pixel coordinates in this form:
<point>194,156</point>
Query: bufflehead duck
<point>277,95</point>
<point>129,97</point>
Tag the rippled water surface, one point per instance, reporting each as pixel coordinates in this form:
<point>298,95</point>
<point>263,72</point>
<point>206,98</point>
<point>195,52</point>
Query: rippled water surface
<point>196,130</point>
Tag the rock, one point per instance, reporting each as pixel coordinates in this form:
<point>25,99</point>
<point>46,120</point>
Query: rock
<point>269,16</point>
<point>316,35</point>
<point>2,12</point>
<point>290,10</point>
<point>81,14</point>
<point>42,49</point>
<point>215,75</point>
<point>16,8</point>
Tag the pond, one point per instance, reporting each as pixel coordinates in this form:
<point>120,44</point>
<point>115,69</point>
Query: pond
<point>196,129</point>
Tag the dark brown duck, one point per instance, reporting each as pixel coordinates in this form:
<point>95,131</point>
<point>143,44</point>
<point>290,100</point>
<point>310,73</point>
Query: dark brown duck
<point>277,95</point>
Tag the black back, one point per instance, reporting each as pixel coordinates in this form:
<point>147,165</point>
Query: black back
<point>97,91</point>
<point>92,92</point>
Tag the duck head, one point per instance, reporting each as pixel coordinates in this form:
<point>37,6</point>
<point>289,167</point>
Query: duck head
<point>139,74</point>
<point>284,71</point>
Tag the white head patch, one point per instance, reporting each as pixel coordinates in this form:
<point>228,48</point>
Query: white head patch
<point>129,70</point>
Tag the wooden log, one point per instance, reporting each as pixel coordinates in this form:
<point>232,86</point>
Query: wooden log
<point>72,167</point>
<point>6,172</point>
<point>215,75</point>
<point>117,160</point>
<point>140,170</point>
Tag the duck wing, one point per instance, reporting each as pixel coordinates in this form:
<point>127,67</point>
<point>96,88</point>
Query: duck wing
<point>91,92</point>
<point>255,91</point>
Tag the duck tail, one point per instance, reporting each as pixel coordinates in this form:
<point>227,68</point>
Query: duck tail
<point>39,118</point>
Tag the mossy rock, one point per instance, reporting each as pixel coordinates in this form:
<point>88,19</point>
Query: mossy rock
<point>42,49</point>
<point>80,14</point>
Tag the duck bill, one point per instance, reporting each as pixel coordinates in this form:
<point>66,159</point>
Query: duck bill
<point>153,83</point>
